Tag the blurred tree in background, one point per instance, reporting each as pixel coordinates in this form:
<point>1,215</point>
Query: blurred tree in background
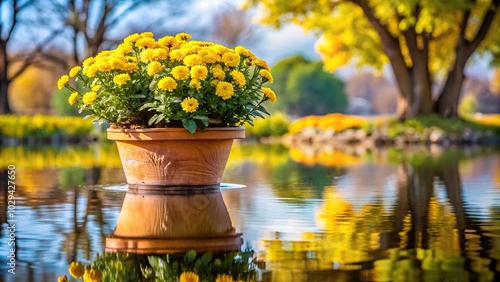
<point>423,41</point>
<point>305,88</point>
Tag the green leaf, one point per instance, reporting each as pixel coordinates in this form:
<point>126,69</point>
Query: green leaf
<point>203,119</point>
<point>189,124</point>
<point>190,255</point>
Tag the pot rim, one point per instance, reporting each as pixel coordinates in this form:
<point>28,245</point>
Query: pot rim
<point>175,133</point>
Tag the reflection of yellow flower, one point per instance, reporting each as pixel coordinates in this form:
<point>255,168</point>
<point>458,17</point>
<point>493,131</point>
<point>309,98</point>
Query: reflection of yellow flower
<point>62,81</point>
<point>72,98</point>
<point>89,98</point>
<point>167,83</point>
<point>224,278</point>
<point>189,105</point>
<point>269,94</point>
<point>76,269</point>
<point>224,90</point>
<point>188,276</point>
<point>92,275</point>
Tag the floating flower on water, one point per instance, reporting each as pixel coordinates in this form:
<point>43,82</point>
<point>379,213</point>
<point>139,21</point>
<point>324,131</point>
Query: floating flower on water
<point>224,278</point>
<point>92,275</point>
<point>188,276</point>
<point>76,269</point>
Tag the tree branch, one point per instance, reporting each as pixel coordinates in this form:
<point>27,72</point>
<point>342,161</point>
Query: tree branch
<point>483,30</point>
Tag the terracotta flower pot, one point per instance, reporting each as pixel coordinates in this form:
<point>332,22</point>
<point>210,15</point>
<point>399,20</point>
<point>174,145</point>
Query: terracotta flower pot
<point>173,156</point>
<point>174,221</point>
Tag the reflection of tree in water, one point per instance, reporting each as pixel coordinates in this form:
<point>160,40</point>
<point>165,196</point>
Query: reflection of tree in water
<point>420,237</point>
<point>297,181</point>
<point>79,238</point>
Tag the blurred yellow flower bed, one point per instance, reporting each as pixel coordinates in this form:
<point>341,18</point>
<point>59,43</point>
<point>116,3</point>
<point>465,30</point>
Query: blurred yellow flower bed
<point>487,119</point>
<point>336,122</point>
<point>105,155</point>
<point>41,126</point>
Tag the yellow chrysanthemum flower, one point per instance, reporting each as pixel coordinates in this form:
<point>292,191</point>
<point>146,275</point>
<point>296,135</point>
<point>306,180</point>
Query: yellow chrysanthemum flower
<point>160,53</point>
<point>121,79</point>
<point>180,72</point>
<point>76,269</point>
<point>92,275</point>
<point>74,71</point>
<point>102,66</point>
<point>72,98</point>
<point>189,105</point>
<point>224,90</point>
<point>218,73</point>
<point>224,278</point>
<point>154,68</point>
<point>131,39</point>
<point>87,62</point>
<point>183,36</point>
<point>147,34</point>
<point>199,72</point>
<point>176,55</point>
<point>124,48</point>
<point>269,93</point>
<point>117,62</point>
<point>267,75</point>
<point>238,78</point>
<point>168,41</point>
<point>145,42</point>
<point>62,81</point>
<point>189,276</point>
<point>231,59</point>
<point>95,87</point>
<point>210,58</point>
<point>89,98</point>
<point>195,84</point>
<point>167,83</point>
<point>62,279</point>
<point>91,71</point>
<point>193,60</point>
<point>245,52</point>
<point>131,67</point>
<point>261,63</point>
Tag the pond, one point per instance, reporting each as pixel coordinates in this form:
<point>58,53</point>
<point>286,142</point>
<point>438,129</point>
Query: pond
<point>309,214</point>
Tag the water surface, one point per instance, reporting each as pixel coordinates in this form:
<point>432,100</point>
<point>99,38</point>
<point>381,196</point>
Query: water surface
<point>418,214</point>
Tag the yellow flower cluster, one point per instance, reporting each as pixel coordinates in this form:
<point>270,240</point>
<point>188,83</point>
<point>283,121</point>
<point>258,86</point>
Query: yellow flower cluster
<point>195,79</point>
<point>336,121</point>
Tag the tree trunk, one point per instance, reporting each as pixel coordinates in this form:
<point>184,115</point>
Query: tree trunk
<point>4,96</point>
<point>447,103</point>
